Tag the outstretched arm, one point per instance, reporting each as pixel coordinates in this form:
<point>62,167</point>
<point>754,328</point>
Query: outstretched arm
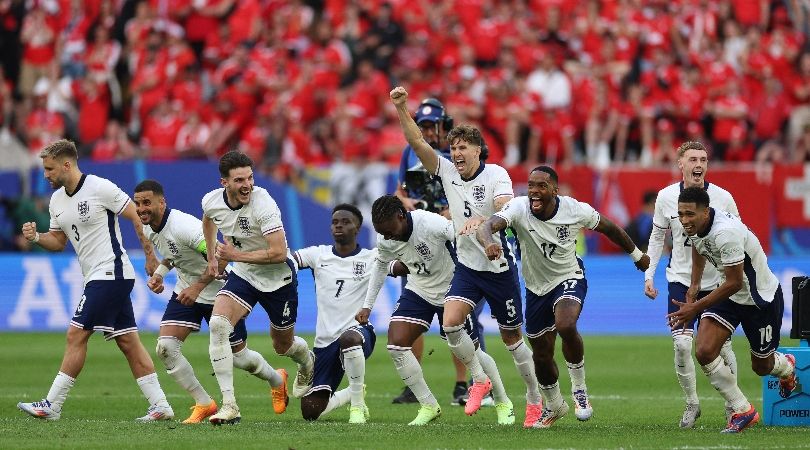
<point>276,251</point>
<point>654,249</point>
<point>53,240</point>
<point>375,283</point>
<point>620,238</point>
<point>484,234</point>
<point>426,154</point>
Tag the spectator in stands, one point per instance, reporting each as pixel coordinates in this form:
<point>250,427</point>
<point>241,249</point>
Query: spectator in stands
<point>640,227</point>
<point>114,146</point>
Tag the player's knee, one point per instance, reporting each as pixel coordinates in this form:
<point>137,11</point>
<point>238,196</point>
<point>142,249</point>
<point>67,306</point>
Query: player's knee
<point>705,354</point>
<point>311,407</point>
<point>350,339</point>
<point>282,344</point>
<point>761,366</point>
<point>220,325</point>
<point>167,347</point>
<point>511,336</point>
<point>682,344</point>
<point>566,328</point>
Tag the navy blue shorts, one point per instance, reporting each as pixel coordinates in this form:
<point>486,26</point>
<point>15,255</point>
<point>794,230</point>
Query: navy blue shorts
<point>761,326</point>
<point>414,309</point>
<point>105,306</point>
<point>180,315</point>
<point>677,291</point>
<point>280,305</point>
<point>502,291</point>
<point>540,308</point>
<point>329,360</point>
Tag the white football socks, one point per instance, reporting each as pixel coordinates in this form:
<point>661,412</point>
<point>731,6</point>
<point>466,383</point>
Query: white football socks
<point>685,367</point>
<point>253,362</point>
<point>178,367</point>
<point>463,347</point>
<point>354,363</point>
<point>491,369</point>
<point>410,371</point>
<point>723,380</point>
<point>577,373</point>
<point>150,386</point>
<point>219,351</point>
<point>60,387</point>
<point>524,363</point>
<point>337,400</point>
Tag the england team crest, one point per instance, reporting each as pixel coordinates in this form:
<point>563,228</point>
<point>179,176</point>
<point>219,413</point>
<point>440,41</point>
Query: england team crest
<point>244,225</point>
<point>479,193</point>
<point>173,248</point>
<point>563,233</point>
<point>358,268</point>
<point>424,251</point>
<point>84,210</point>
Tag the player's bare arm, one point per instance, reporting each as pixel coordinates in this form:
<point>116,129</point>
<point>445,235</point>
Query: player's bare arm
<point>423,150</point>
<point>688,310</point>
<point>131,213</point>
<point>398,269</point>
<point>53,240</point>
<point>484,235</point>
<point>155,282</point>
<point>698,265</point>
<point>500,201</point>
<point>276,251</point>
<point>619,237</point>
<point>210,233</point>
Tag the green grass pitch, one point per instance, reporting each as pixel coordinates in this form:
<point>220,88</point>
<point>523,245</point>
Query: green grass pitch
<point>636,398</point>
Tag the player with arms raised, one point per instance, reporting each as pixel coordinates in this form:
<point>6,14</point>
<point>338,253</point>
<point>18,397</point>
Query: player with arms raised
<point>693,161</point>
<point>179,238</point>
<point>475,190</point>
<point>250,222</point>
<point>342,345</point>
<point>420,243</point>
<point>85,210</point>
<point>547,225</point>
<point>749,295</point>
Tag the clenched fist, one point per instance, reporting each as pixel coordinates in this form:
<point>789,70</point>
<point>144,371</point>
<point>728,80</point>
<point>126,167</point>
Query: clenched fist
<point>399,96</point>
<point>29,230</point>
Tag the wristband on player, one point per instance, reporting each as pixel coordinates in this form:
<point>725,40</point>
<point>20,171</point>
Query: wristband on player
<point>391,266</point>
<point>161,270</point>
<point>636,254</point>
<point>36,238</point>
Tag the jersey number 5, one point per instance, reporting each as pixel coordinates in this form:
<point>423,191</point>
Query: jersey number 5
<point>467,210</point>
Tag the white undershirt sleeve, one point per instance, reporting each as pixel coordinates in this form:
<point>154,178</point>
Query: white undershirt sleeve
<point>654,249</point>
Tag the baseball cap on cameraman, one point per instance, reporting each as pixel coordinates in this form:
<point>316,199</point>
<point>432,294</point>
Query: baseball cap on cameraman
<point>429,113</point>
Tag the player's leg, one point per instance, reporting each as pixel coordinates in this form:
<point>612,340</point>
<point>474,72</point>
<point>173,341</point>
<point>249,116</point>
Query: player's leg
<point>761,326</point>
<point>281,306</point>
<point>324,397</point>
<point>503,406</point>
<point>50,407</point>
<point>502,291</point>
<point>356,345</point>
<point>233,302</point>
<point>542,335</point>
<point>254,363</point>
<point>716,325</point>
<point>682,339</point>
<point>567,309</point>
<point>178,322</point>
<point>460,389</point>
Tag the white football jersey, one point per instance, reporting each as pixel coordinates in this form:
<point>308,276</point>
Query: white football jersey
<point>679,269</point>
<point>180,239</point>
<point>548,247</point>
<point>340,287</point>
<point>246,227</point>
<point>475,197</point>
<point>89,218</point>
<point>428,254</point>
<point>729,242</point>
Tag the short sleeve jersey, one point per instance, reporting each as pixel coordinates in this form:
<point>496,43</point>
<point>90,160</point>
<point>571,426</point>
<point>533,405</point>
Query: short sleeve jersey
<point>679,269</point>
<point>180,239</point>
<point>428,254</point>
<point>89,218</point>
<point>340,287</point>
<point>729,242</point>
<point>475,197</point>
<point>246,227</point>
<point>548,247</point>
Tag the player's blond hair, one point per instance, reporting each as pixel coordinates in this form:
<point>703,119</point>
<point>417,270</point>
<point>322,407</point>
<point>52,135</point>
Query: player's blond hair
<point>691,145</point>
<point>60,149</point>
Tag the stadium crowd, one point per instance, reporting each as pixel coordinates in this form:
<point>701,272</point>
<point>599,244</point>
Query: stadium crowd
<point>295,83</point>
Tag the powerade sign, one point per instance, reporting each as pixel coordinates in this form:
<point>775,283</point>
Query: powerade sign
<point>40,293</point>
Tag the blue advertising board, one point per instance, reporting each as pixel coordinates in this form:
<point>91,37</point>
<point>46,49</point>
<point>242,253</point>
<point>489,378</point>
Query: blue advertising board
<point>40,292</point>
